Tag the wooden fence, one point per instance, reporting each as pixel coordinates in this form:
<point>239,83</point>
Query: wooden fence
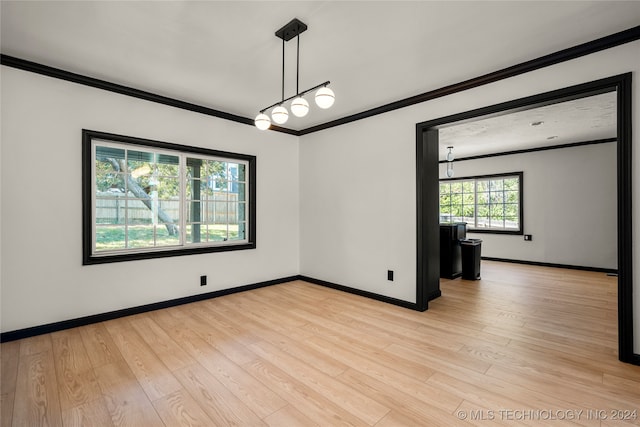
<point>217,208</point>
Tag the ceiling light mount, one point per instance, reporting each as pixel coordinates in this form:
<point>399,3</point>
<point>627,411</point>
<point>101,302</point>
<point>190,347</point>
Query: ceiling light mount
<point>299,106</point>
<point>293,29</point>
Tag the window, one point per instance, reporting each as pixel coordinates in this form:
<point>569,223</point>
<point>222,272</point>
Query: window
<point>490,203</point>
<point>148,199</point>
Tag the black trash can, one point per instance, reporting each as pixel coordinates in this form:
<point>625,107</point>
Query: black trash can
<point>471,258</point>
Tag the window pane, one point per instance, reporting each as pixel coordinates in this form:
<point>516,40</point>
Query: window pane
<point>496,198</point>
<point>456,187</point>
<point>168,187</point>
<point>511,197</point>
<point>239,189</point>
<point>194,211</point>
<point>482,198</point>
<point>468,186</point>
<point>196,187</point>
<point>218,233</point>
<point>214,173</point>
<point>110,238</point>
<point>110,210</point>
<point>496,184</point>
<point>511,184</point>
<point>242,173</point>
<point>140,164</point>
<point>138,213</point>
<point>511,222</point>
<point>497,211</point>
<point>192,234</point>
<point>140,236</point>
<point>242,212</point>
<point>234,232</point>
<point>511,210</point>
<point>108,179</point>
<point>483,221</point>
<point>469,212</point>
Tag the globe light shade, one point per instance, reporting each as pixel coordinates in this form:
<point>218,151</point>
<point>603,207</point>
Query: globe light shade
<point>299,107</point>
<point>262,121</point>
<point>449,172</point>
<point>280,115</point>
<point>325,97</point>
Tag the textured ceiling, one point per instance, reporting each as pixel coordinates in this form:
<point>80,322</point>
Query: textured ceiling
<point>224,55</point>
<point>580,120</point>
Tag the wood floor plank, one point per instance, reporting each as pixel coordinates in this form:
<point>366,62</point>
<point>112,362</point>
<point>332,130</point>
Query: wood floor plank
<point>167,350</point>
<point>37,401</point>
<point>290,417</point>
<point>397,418</point>
<point>94,413</point>
<point>253,393</point>
<point>422,401</point>
<point>76,379</point>
<point>222,407</point>
<point>577,394</point>
<point>294,347</point>
<point>486,399</point>
<point>9,358</point>
<point>35,345</point>
<point>179,409</point>
<point>337,392</point>
<point>127,403</point>
<point>524,338</point>
<point>396,375</point>
<point>99,345</point>
<point>305,399</point>
<point>206,326</point>
<point>155,378</point>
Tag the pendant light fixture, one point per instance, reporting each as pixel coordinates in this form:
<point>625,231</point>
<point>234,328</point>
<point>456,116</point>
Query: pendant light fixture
<point>299,106</point>
<point>450,158</point>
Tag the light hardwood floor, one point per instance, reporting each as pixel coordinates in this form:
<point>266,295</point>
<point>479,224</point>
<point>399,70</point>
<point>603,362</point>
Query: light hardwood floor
<point>523,346</point>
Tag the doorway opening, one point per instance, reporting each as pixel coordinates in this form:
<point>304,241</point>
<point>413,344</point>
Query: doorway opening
<point>427,185</point>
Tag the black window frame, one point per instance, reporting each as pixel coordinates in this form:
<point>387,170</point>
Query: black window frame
<point>520,176</point>
<point>88,136</point>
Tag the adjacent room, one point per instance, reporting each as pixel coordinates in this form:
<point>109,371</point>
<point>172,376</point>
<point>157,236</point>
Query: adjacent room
<point>230,213</point>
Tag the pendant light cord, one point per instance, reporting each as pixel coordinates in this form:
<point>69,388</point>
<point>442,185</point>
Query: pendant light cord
<point>298,66</point>
<point>282,70</point>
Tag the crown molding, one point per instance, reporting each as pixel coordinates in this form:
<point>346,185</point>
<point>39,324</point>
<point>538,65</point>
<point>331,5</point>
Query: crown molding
<point>607,42</point>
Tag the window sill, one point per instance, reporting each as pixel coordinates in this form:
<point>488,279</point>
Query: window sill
<point>106,259</point>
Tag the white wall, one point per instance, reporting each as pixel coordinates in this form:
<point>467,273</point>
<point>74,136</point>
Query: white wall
<point>354,205</point>
<point>358,211</point>
<point>570,205</point>
<point>43,279</point>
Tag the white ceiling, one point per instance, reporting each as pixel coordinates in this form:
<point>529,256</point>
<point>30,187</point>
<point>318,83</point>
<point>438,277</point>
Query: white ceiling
<point>224,55</point>
<point>585,119</point>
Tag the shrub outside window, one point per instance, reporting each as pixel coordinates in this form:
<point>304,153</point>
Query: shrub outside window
<point>488,203</point>
<point>147,199</point>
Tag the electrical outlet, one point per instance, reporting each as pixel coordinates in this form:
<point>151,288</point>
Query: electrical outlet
<point>528,237</point>
<point>203,280</point>
<point>390,275</point>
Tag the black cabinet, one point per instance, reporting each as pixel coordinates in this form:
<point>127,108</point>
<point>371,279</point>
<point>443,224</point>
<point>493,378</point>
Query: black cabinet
<point>450,251</point>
